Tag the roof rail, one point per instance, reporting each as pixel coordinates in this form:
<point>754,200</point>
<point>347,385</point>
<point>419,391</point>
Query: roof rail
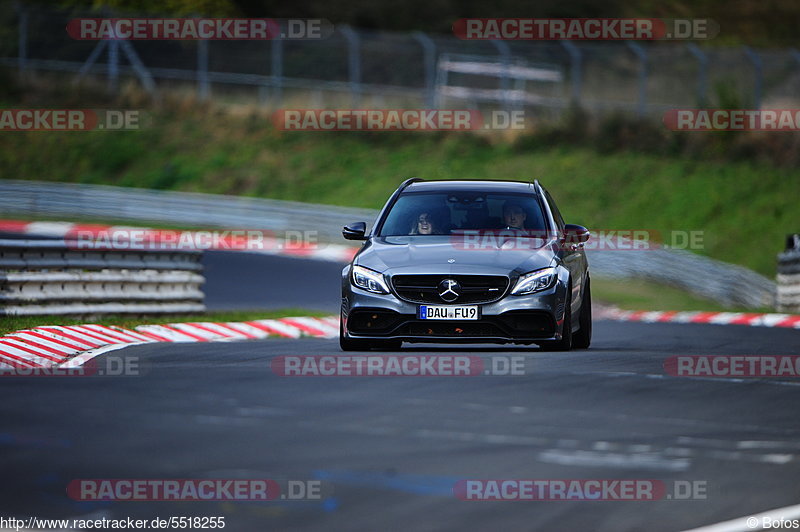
<point>407,182</point>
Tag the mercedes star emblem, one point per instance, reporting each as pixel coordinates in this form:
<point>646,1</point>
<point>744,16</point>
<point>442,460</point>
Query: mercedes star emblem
<point>449,290</point>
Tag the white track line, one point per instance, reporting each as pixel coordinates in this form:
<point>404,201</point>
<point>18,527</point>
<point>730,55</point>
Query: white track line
<point>85,357</point>
<point>751,522</point>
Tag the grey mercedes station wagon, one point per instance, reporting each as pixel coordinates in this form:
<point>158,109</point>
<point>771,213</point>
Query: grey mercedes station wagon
<point>467,261</point>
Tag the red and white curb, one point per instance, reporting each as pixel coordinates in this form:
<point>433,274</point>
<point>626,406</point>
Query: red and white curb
<point>267,244</point>
<point>791,321</point>
<point>71,346</point>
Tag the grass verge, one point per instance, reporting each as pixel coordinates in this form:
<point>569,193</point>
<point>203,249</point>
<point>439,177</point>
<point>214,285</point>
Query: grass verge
<point>10,324</point>
<point>636,294</point>
<point>740,206</point>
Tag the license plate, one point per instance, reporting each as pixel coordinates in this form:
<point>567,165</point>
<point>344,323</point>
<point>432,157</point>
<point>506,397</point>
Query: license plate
<point>431,312</point>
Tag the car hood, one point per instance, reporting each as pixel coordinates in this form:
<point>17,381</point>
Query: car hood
<point>444,254</point>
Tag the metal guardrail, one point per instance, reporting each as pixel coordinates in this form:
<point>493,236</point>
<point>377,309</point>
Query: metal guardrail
<point>788,298</point>
<point>207,210</point>
<point>725,283</point>
<point>53,277</point>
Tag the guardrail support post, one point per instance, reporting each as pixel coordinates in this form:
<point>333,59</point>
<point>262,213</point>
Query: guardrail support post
<point>144,75</point>
<point>638,50</point>
<point>353,63</point>
<point>758,66</point>
<point>429,58</point>
<point>702,72</point>
<point>575,70</point>
<point>113,65</point>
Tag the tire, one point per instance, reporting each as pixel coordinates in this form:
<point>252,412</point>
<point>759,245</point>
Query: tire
<point>565,344</point>
<point>349,344</point>
<point>583,338</point>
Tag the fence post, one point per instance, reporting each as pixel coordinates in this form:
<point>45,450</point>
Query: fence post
<point>113,65</point>
<point>795,53</point>
<point>94,55</point>
<point>441,80</point>
<point>702,72</point>
<point>22,39</point>
<point>638,50</point>
<point>429,58</point>
<point>203,89</point>
<point>575,66</point>
<point>144,75</point>
<point>758,66</point>
<point>353,64</point>
<point>505,53</point>
<point>276,70</point>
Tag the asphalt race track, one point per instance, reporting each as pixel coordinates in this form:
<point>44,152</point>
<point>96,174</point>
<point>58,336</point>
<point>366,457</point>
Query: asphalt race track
<point>237,280</point>
<point>388,450</point>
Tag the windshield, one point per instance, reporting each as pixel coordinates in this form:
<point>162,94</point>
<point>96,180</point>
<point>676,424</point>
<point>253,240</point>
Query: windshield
<point>443,213</point>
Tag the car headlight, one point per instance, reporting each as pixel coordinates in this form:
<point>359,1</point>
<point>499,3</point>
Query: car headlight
<point>535,282</point>
<point>369,280</point>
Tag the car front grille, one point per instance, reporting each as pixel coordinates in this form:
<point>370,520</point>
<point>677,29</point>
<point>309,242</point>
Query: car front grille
<point>474,288</point>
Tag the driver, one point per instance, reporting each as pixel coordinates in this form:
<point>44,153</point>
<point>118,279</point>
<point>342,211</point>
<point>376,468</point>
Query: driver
<point>514,216</point>
<point>424,225</point>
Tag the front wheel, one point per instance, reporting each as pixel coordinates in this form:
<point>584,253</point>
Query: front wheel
<point>565,344</point>
<point>583,337</point>
<point>349,344</point>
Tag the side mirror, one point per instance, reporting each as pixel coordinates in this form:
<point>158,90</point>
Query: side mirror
<point>355,231</point>
<point>576,234</point>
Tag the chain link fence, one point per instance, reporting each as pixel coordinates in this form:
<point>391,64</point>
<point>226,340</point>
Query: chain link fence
<point>359,68</point>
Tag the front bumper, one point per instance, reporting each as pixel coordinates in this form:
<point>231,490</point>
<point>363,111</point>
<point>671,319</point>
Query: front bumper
<point>518,319</point>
